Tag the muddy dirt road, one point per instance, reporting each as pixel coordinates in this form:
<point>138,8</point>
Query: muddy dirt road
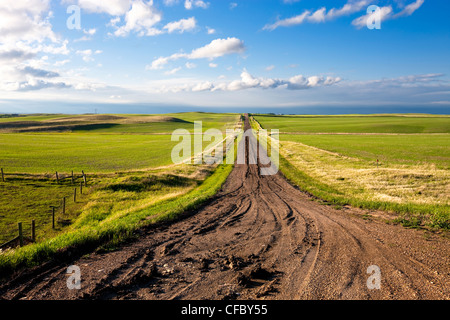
<point>260,238</point>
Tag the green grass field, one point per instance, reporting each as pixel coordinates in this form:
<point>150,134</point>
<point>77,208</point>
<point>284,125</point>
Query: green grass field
<point>358,124</point>
<point>420,149</point>
<point>335,159</point>
<point>130,174</point>
<point>123,146</point>
<point>118,123</point>
<point>45,153</point>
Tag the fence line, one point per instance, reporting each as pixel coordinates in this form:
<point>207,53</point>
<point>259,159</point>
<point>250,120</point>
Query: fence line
<point>22,240</point>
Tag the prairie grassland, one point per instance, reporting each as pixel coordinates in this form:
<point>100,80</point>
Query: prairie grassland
<point>117,124</point>
<point>412,177</point>
<point>105,147</point>
<point>131,182</point>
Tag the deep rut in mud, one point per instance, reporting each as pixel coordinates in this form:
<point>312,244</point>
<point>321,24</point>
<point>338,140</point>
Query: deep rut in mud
<point>259,238</point>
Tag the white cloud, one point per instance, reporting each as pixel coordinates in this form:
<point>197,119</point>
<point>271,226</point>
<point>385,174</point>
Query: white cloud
<point>204,86</point>
<point>213,65</point>
<point>87,54</point>
<point>410,8</point>
<point>61,63</point>
<point>320,15</point>
<point>111,7</point>
<point>141,19</point>
<point>26,41</point>
<point>190,4</point>
<point>90,32</point>
<point>170,2</point>
<point>210,30</point>
<point>299,19</point>
<point>217,48</point>
<point>113,22</point>
<point>233,5</point>
<point>270,68</point>
<point>190,65</point>
<point>173,71</point>
<point>26,21</point>
<point>158,63</point>
<point>181,25</point>
<point>248,81</point>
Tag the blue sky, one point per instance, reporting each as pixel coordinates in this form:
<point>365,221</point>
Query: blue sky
<point>273,56</point>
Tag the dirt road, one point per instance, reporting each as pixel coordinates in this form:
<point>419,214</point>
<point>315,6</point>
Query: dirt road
<point>260,238</point>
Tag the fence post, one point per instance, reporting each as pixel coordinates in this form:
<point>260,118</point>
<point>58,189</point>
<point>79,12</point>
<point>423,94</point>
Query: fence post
<point>84,178</point>
<point>3,176</point>
<point>20,234</point>
<point>33,230</point>
<point>53,216</point>
<point>81,187</point>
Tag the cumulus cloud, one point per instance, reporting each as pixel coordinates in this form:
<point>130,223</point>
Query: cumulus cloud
<point>141,19</point>
<point>138,16</point>
<point>248,81</point>
<point>217,48</point>
<point>111,7</point>
<point>181,25</point>
<point>26,41</point>
<point>191,4</point>
<point>26,21</point>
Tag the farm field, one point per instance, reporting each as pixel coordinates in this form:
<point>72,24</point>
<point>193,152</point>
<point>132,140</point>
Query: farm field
<point>63,143</point>
<point>406,173</point>
<point>126,173</point>
<point>389,124</point>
